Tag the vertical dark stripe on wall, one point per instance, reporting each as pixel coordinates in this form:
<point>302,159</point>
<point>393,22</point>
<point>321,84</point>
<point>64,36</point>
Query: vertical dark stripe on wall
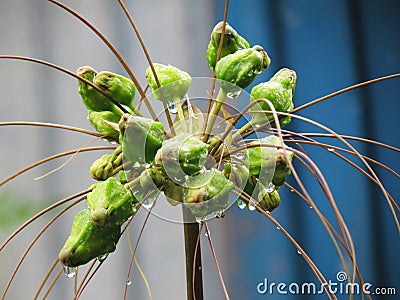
<point>355,8</point>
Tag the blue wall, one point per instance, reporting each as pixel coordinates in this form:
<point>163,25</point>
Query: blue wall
<point>331,44</point>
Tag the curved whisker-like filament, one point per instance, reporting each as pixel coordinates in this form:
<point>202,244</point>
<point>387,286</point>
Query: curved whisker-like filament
<point>47,159</point>
<point>139,36</point>
<point>41,232</point>
<point>85,279</point>
<point>40,214</point>
<point>345,142</point>
<point>52,284</point>
<point>334,235</point>
<point>312,265</point>
<point>194,280</point>
<point>359,85</point>
<point>136,245</point>
<point>115,52</point>
<point>141,273</point>
<point>59,68</point>
<point>52,125</point>
<point>216,262</point>
<point>51,269</point>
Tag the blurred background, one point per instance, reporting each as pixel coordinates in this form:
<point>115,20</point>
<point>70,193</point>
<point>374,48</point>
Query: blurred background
<point>330,44</point>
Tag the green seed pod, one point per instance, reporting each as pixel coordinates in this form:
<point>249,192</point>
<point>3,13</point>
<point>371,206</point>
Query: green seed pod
<point>117,86</point>
<point>140,138</point>
<point>239,69</point>
<point>268,163</point>
<point>282,168</point>
<point>232,42</point>
<point>192,121</point>
<point>248,180</point>
<point>208,192</point>
<point>110,203</point>
<point>91,98</point>
<point>87,241</point>
<point>269,200</point>
<point>182,155</point>
<point>279,90</point>
<point>103,167</point>
<point>151,179</point>
<point>174,82</point>
<point>174,192</point>
<point>100,121</point>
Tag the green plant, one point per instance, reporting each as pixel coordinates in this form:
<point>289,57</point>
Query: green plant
<point>217,152</point>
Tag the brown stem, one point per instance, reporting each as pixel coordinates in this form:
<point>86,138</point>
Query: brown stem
<point>194,278</point>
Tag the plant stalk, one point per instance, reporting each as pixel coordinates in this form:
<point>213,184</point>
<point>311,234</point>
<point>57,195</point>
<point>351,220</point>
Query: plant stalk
<point>194,277</point>
<point>214,113</point>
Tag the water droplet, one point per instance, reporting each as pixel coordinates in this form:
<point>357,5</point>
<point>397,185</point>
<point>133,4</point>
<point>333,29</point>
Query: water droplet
<point>70,272</point>
<point>298,252</point>
<point>311,207</point>
<point>220,214</point>
<point>251,207</point>
<point>172,107</point>
<point>331,149</point>
<point>241,204</point>
<point>239,155</point>
<point>206,234</point>
<point>200,220</point>
<point>277,227</point>
<point>148,203</point>
<point>102,258</point>
<point>292,190</point>
<point>269,188</point>
<point>129,282</point>
<point>233,95</point>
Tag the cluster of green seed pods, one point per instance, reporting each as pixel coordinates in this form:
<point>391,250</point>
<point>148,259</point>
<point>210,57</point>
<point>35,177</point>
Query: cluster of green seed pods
<point>149,160</point>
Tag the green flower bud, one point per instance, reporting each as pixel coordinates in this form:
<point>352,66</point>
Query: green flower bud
<point>282,168</point>
<point>141,138</point>
<point>268,163</point>
<point>151,179</point>
<point>103,167</point>
<point>239,69</point>
<point>279,90</point>
<point>91,98</point>
<point>248,180</point>
<point>173,192</point>
<point>208,192</point>
<point>87,241</point>
<point>110,203</point>
<point>174,82</point>
<point>182,155</point>
<point>100,121</point>
<point>117,86</point>
<point>192,121</point>
<point>269,200</point>
<point>232,42</point>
